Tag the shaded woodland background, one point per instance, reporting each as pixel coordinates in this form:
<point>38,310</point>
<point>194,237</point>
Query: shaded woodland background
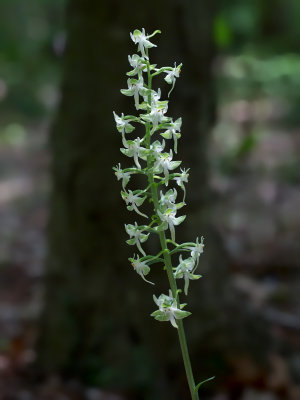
<point>74,318</point>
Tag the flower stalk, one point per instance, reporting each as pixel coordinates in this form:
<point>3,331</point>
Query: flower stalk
<point>151,159</point>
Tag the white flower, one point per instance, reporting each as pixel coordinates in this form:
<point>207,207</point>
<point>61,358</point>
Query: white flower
<point>168,199</point>
<point>134,149</point>
<point>172,75</point>
<point>157,147</point>
<point>165,164</point>
<point>168,310</point>
<point>181,179</point>
<point>156,116</point>
<point>169,216</point>
<point>185,270</point>
<point>123,126</point>
<point>196,249</point>
<point>140,267</point>
<point>120,174</point>
<point>133,201</point>
<point>158,109</point>
<point>173,131</point>
<point>135,88</point>
<point>137,63</point>
<point>137,235</point>
<point>141,39</point>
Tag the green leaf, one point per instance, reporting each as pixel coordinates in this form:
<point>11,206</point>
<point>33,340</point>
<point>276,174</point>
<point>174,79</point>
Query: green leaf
<point>201,383</point>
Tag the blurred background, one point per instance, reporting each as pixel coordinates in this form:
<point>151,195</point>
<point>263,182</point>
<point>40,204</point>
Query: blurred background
<point>74,318</point>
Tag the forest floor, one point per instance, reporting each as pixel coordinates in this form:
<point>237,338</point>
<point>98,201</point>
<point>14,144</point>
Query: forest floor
<point>257,189</point>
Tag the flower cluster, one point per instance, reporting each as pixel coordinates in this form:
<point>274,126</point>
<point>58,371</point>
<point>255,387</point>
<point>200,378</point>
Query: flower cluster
<point>152,156</point>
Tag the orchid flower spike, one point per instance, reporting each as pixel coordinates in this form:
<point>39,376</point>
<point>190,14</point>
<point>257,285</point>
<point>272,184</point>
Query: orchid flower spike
<point>154,165</point>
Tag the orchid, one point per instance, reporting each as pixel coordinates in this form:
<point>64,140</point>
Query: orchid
<point>168,310</point>
<point>155,165</point>
<point>133,201</point>
<point>173,132</point>
<point>140,267</point>
<point>185,270</point>
<point>158,109</point>
<point>169,216</point>
<point>134,149</point>
<point>157,147</point>
<point>167,200</point>
<point>137,63</point>
<point>165,164</point>
<point>196,249</point>
<point>172,75</point>
<point>181,179</point>
<point>135,88</point>
<point>135,232</point>
<point>140,38</point>
<point>120,174</point>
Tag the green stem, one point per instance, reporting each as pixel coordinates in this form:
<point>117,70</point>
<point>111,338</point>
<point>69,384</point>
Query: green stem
<point>168,261</point>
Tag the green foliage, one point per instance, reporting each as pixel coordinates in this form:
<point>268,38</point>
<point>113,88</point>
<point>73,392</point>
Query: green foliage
<point>250,77</point>
<point>30,33</point>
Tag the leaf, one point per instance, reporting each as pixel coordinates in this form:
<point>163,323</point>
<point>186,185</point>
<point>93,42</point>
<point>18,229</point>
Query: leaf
<point>201,383</point>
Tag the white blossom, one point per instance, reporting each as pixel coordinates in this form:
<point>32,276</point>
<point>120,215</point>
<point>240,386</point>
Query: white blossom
<point>169,216</point>
<point>185,270</point>
<point>120,174</point>
<point>196,249</point>
<point>165,164</point>
<point>172,75</point>
<point>181,179</point>
<point>140,38</point>
<point>135,150</point>
<point>137,236</point>
<point>173,132</point>
<point>137,63</point>
<point>140,267</point>
<point>133,201</point>
<point>136,89</point>
<point>168,309</point>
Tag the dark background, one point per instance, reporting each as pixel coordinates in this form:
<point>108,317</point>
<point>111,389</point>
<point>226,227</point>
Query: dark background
<point>74,318</point>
